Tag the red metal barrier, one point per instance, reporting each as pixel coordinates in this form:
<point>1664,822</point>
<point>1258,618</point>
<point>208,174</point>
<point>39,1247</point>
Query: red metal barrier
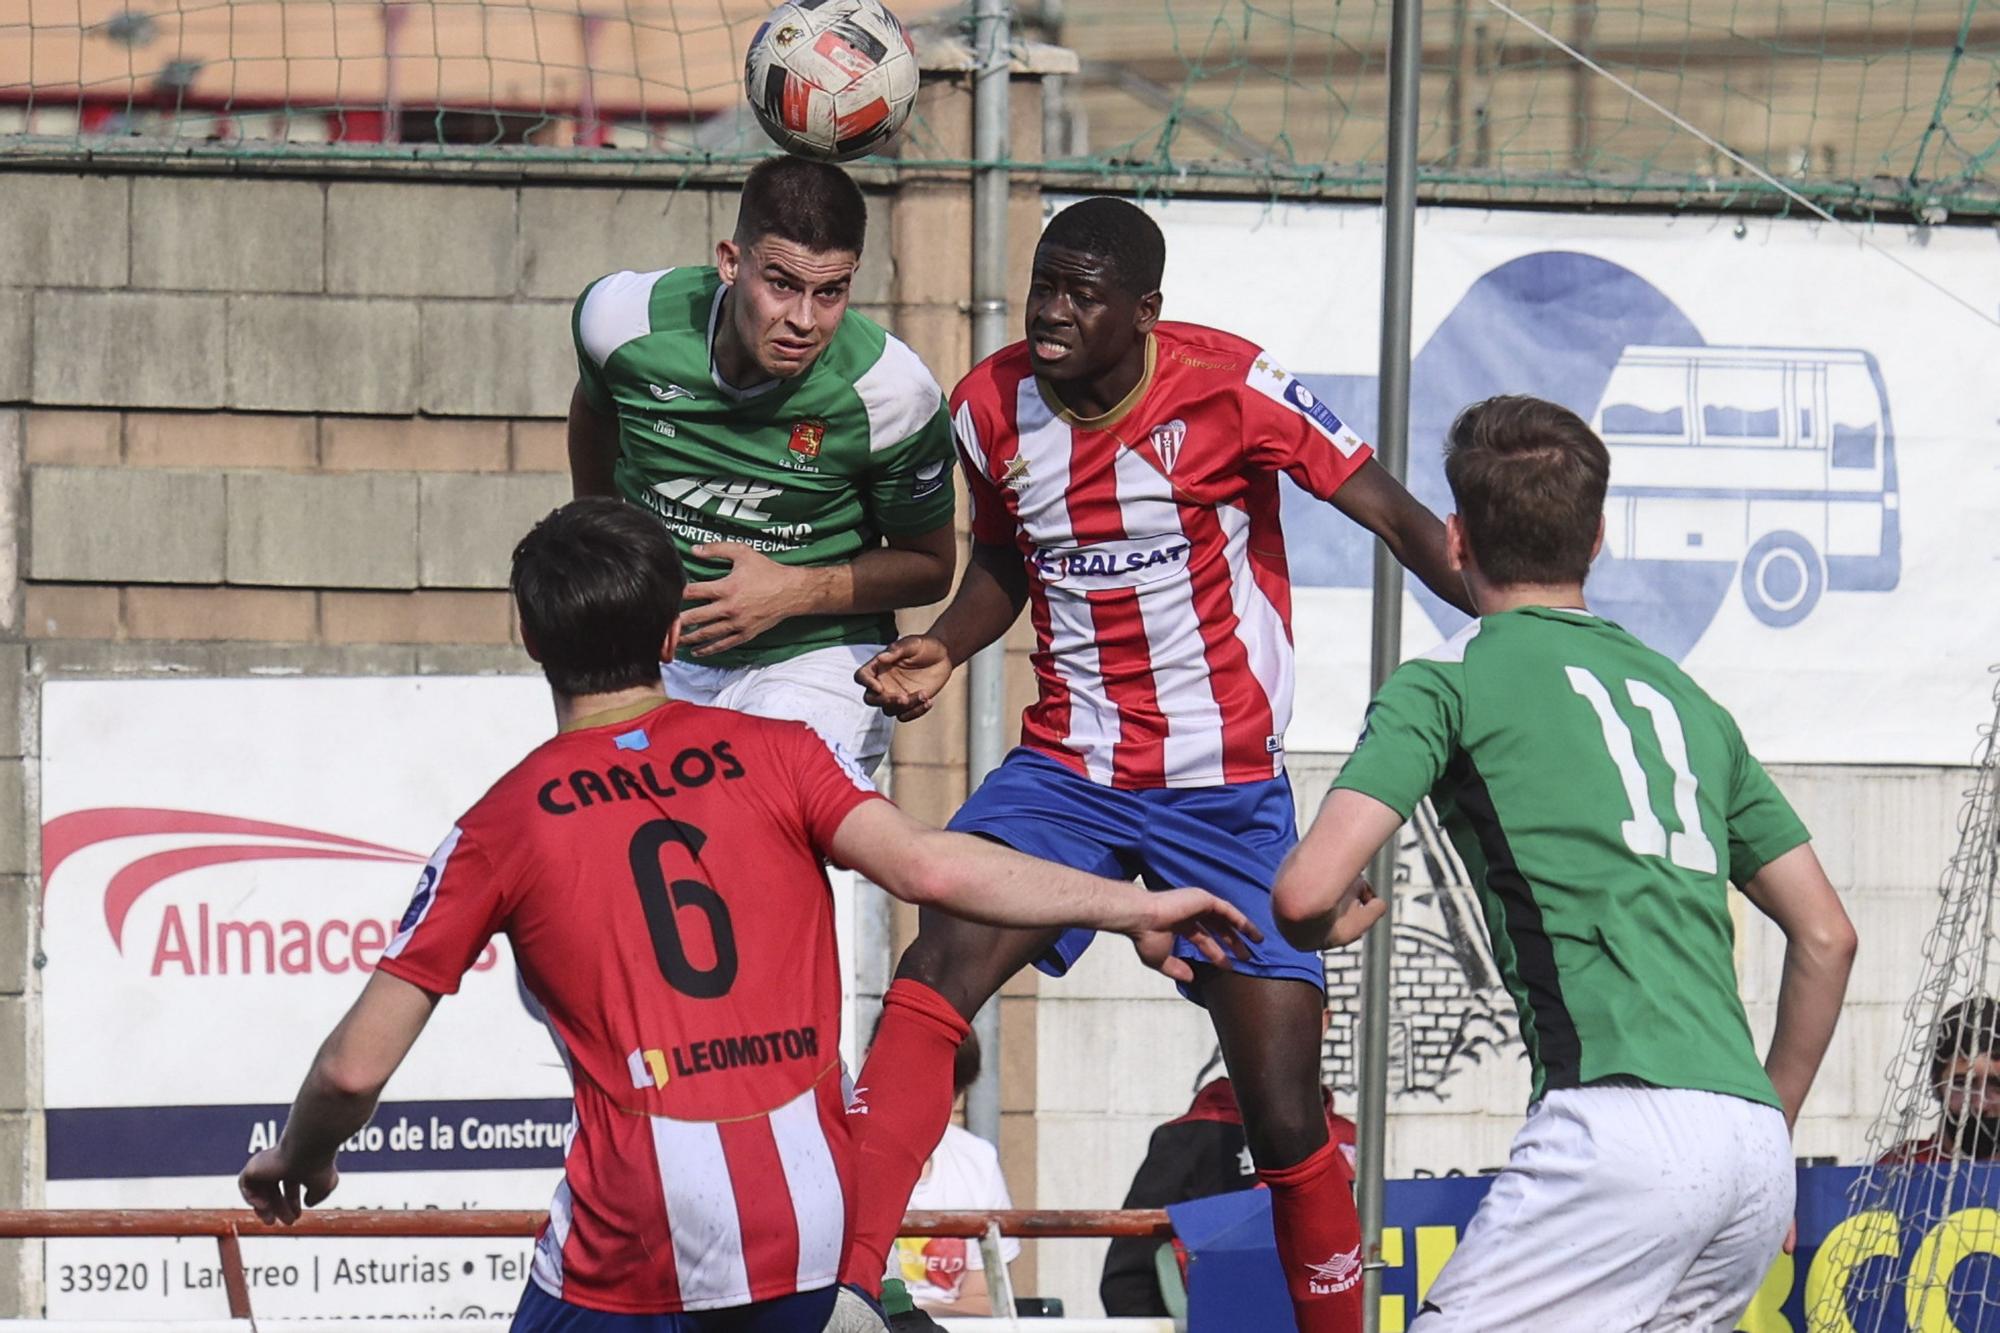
<point>228,1226</point>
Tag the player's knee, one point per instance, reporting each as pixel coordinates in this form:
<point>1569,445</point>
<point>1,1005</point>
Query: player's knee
<point>933,962</point>
<point>1285,1135</point>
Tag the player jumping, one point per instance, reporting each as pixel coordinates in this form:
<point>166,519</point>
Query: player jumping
<point>1604,804</point>
<point>1124,481</point>
<point>657,868</point>
<point>799,454</point>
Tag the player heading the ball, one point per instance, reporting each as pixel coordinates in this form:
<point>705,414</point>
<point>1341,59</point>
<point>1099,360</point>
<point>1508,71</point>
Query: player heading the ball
<point>658,868</point>
<point>1604,804</point>
<point>799,454</point>
<point>1124,480</point>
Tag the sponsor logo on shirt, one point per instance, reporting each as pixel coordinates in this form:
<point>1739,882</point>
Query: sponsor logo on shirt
<point>1017,473</point>
<point>1167,442</point>
<point>1336,1275</point>
<point>648,1068</point>
<point>716,1054</point>
<point>807,437</point>
<point>730,499</point>
<point>929,480</point>
<point>670,393</point>
<point>419,900</point>
<point>1122,565</point>
<point>665,428</point>
<point>1299,396</point>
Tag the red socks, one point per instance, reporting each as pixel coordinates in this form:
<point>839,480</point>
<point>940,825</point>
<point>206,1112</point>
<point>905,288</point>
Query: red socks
<point>1319,1241</point>
<point>902,1103</point>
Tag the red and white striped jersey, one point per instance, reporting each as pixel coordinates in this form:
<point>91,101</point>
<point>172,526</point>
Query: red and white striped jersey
<point>1156,566</point>
<point>662,885</point>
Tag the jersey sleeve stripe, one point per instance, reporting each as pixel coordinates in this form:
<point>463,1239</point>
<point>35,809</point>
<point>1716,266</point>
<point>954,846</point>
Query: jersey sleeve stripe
<point>615,310</point>
<point>898,393</point>
<point>966,431</point>
<point>1281,386</point>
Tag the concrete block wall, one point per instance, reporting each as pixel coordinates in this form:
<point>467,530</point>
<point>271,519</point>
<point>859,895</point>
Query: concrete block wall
<point>250,425</point>
<point>254,424</point>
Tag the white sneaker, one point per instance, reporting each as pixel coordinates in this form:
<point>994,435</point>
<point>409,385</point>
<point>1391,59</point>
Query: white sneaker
<point>851,1314</point>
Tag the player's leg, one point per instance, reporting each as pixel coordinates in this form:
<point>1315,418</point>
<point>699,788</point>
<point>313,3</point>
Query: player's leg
<point>1269,1031</point>
<point>816,688</point>
<point>903,1095</point>
<point>696,683</point>
<point>1602,1208</point>
<point>1761,1178</point>
<point>1230,840</point>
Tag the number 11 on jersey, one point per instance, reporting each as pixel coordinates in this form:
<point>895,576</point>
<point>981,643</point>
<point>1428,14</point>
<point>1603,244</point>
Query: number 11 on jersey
<point>1644,832</point>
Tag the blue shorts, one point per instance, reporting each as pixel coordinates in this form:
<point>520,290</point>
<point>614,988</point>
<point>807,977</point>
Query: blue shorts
<point>1227,839</point>
<point>806,1312</point>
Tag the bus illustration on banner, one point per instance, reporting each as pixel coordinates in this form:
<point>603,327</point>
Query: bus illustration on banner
<point>1781,460</point>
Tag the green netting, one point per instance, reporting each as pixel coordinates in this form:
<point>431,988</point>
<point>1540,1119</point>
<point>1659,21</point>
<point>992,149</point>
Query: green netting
<point>1853,104</point>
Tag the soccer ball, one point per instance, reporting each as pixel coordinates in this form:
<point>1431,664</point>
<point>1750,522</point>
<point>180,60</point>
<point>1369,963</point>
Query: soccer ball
<point>831,79</point>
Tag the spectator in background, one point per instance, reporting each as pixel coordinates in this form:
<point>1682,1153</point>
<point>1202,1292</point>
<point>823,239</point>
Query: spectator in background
<point>945,1274</point>
<point>1965,1078</point>
<point>1202,1153</point>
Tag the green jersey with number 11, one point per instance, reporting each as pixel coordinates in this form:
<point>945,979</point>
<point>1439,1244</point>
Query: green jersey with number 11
<point>1603,803</point>
<point>812,470</point>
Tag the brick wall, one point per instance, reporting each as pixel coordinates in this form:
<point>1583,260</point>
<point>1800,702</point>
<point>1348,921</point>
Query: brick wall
<point>253,423</point>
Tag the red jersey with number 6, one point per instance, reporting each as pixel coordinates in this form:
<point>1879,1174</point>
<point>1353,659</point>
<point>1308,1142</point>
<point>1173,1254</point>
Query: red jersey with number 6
<point>1156,567</point>
<point>662,882</point>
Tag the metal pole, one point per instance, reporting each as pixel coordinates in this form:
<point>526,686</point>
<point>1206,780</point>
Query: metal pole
<point>986,731</point>
<point>1399,209</point>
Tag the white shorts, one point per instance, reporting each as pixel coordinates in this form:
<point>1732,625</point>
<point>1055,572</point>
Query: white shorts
<point>816,688</point>
<point>1623,1208</point>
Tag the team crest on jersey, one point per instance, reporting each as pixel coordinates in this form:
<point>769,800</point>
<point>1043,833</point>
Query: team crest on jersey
<point>1167,442</point>
<point>808,436</point>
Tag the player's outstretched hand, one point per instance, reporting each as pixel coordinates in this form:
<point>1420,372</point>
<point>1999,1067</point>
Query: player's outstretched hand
<point>274,1186</point>
<point>903,679</point>
<point>1357,910</point>
<point>1218,931</point>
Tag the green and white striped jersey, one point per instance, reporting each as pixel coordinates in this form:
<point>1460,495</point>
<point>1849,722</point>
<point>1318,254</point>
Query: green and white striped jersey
<point>1603,804</point>
<point>809,471</point>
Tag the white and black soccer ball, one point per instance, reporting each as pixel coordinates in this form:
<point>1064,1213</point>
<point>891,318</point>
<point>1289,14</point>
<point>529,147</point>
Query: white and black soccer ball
<point>831,79</point>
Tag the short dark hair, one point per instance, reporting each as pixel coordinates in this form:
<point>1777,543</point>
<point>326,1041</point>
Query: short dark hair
<point>597,582</point>
<point>1529,478</point>
<point>1969,1028</point>
<point>1118,233</point>
<point>813,204</point>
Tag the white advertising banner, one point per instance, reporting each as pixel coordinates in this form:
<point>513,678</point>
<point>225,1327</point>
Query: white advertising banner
<point>224,861</point>
<point>1804,432</point>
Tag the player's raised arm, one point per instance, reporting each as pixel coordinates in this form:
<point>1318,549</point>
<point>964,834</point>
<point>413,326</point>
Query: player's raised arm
<point>904,679</point>
<point>337,1098</point>
<point>983,881</point>
<point>1414,535</point>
